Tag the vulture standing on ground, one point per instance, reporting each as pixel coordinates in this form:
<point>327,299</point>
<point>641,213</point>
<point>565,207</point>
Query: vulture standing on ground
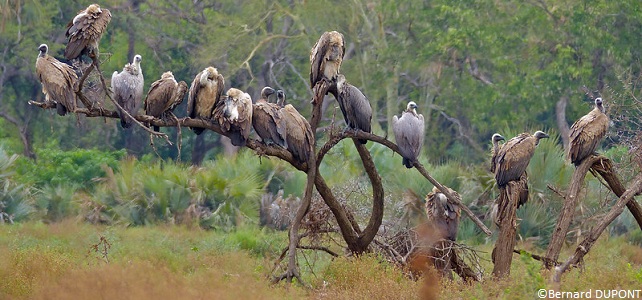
<point>267,120</point>
<point>587,132</point>
<point>164,95</point>
<point>513,158</point>
<point>234,115</point>
<point>298,131</point>
<point>127,87</point>
<point>58,81</point>
<point>204,94</point>
<point>409,133</point>
<point>495,139</point>
<point>442,214</point>
<point>85,30</point>
<point>354,105</point>
<point>326,57</point>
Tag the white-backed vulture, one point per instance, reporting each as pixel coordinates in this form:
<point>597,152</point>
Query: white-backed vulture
<point>204,94</point>
<point>164,95</point>
<point>442,214</point>
<point>127,87</point>
<point>267,120</point>
<point>587,132</point>
<point>495,140</point>
<point>234,115</point>
<point>298,131</point>
<point>409,133</point>
<point>58,81</point>
<point>325,57</point>
<point>354,105</point>
<point>514,156</point>
<point>85,30</point>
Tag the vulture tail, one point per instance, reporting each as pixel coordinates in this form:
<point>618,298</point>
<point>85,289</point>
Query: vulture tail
<point>198,130</point>
<point>124,123</point>
<point>61,109</point>
<point>406,162</point>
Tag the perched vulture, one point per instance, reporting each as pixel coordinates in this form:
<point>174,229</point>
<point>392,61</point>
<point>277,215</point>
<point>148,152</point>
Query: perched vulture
<point>58,81</point>
<point>85,30</point>
<point>326,57</point>
<point>443,214</point>
<point>268,121</point>
<point>354,105</point>
<point>587,132</point>
<point>495,139</point>
<point>234,115</point>
<point>513,158</point>
<point>298,131</point>
<point>127,87</point>
<point>204,94</point>
<point>164,95</point>
<point>409,133</point>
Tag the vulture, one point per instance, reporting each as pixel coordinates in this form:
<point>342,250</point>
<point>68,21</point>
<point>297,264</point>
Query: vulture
<point>409,133</point>
<point>204,94</point>
<point>354,105</point>
<point>85,30</point>
<point>495,139</point>
<point>587,132</point>
<point>298,131</point>
<point>325,57</point>
<point>127,87</point>
<point>164,95</point>
<point>234,115</point>
<point>268,121</point>
<point>443,214</point>
<point>58,81</point>
<point>513,158</point>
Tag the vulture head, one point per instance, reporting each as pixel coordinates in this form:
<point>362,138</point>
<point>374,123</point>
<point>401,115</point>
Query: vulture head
<point>266,92</point>
<point>280,98</point>
<point>235,98</point>
<point>341,80</point>
<point>497,137</point>
<point>539,135</point>
<point>336,46</point>
<point>43,50</point>
<point>412,107</point>
<point>167,75</point>
<point>210,74</point>
<point>598,104</point>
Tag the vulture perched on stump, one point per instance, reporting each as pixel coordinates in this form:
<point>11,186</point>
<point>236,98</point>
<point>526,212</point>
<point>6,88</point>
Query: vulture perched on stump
<point>513,158</point>
<point>204,94</point>
<point>58,81</point>
<point>268,121</point>
<point>234,115</point>
<point>354,105</point>
<point>587,132</point>
<point>127,87</point>
<point>495,139</point>
<point>325,57</point>
<point>442,214</point>
<point>164,95</point>
<point>409,133</point>
<point>298,131</point>
<point>85,30</point>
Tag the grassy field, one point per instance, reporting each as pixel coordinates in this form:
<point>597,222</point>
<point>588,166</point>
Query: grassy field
<point>71,260</point>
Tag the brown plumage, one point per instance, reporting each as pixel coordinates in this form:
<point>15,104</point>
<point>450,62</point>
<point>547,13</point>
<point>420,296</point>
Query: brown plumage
<point>409,133</point>
<point>164,95</point>
<point>325,57</point>
<point>513,158</point>
<point>298,131</point>
<point>85,30</point>
<point>442,214</point>
<point>496,146</point>
<point>267,120</point>
<point>127,87</point>
<point>204,94</point>
<point>354,105</point>
<point>587,133</point>
<point>234,115</point>
<point>58,81</point>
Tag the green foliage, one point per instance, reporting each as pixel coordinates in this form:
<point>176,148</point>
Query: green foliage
<point>15,201</point>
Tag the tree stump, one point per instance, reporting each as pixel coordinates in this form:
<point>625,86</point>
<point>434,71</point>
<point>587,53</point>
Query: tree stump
<point>507,221</point>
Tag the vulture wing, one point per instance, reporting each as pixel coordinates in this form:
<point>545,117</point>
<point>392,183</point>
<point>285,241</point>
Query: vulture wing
<point>58,80</point>
<point>513,158</point>
<point>84,31</point>
<point>586,134</point>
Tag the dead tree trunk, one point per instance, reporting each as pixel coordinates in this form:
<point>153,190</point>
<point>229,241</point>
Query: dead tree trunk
<point>605,168</point>
<point>507,221</point>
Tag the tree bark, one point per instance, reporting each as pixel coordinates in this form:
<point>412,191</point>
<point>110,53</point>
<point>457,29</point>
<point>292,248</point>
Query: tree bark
<point>605,168</point>
<point>507,221</point>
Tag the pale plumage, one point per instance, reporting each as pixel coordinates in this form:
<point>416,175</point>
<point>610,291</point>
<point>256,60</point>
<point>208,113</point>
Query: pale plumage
<point>587,133</point>
<point>58,81</point>
<point>409,133</point>
<point>326,56</point>
<point>234,115</point>
<point>267,120</point>
<point>164,95</point>
<point>442,214</point>
<point>204,94</point>
<point>298,131</point>
<point>85,30</point>
<point>513,158</point>
<point>127,87</point>
<point>354,105</point>
<point>496,146</point>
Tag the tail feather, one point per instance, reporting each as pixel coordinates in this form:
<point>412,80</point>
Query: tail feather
<point>198,130</point>
<point>406,162</point>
